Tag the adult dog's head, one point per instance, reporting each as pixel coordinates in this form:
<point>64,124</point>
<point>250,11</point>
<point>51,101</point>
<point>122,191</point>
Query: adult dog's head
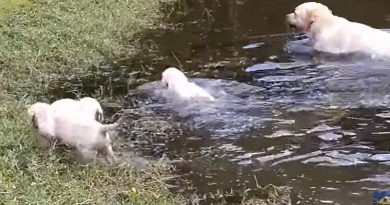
<point>306,14</point>
<point>38,111</point>
<point>172,77</point>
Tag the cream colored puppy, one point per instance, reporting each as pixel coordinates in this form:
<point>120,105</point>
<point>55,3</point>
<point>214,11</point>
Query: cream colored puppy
<point>85,106</point>
<point>333,34</point>
<point>93,107</point>
<point>85,134</point>
<point>89,137</point>
<point>43,120</point>
<point>177,82</point>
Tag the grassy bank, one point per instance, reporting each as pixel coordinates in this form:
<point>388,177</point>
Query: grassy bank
<point>67,37</point>
<point>40,41</point>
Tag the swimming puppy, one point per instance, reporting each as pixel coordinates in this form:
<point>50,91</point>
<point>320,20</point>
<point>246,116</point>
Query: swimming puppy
<point>86,107</point>
<point>177,82</point>
<point>333,34</point>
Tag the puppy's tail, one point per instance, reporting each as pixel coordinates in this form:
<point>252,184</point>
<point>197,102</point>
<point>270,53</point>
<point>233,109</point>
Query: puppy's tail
<point>109,127</point>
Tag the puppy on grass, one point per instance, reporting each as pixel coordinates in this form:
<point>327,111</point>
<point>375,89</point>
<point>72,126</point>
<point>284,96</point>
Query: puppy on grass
<point>177,82</point>
<point>89,137</point>
<point>84,133</point>
<point>85,106</point>
<point>333,34</point>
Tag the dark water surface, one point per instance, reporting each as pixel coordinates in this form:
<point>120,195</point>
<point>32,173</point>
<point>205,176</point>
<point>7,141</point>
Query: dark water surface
<point>321,132</point>
<point>317,123</point>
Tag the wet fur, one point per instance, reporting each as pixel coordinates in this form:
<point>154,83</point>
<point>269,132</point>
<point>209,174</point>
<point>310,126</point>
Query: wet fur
<point>177,82</point>
<point>333,34</point>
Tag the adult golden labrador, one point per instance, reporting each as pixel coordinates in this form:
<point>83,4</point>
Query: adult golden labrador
<point>333,34</point>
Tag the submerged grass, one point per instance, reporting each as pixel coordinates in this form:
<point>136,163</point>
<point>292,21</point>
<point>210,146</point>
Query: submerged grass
<point>41,40</point>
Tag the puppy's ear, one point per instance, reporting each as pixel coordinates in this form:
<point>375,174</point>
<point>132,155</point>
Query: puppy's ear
<point>34,122</point>
<point>99,116</point>
<point>165,83</point>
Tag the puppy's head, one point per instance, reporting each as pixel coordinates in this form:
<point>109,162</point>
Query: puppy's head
<point>172,76</point>
<point>91,103</point>
<point>306,14</point>
<point>37,111</point>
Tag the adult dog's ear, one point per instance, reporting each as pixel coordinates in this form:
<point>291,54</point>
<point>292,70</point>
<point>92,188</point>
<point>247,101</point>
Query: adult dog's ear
<point>318,13</point>
<point>34,122</point>
<point>313,14</point>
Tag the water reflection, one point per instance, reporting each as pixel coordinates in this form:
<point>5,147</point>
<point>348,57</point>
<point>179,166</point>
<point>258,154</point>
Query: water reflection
<point>290,120</point>
<point>318,131</point>
<point>285,115</point>
<point>238,108</point>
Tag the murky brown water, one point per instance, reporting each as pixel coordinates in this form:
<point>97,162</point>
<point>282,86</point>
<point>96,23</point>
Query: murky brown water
<point>322,134</point>
<point>210,44</point>
<point>344,171</point>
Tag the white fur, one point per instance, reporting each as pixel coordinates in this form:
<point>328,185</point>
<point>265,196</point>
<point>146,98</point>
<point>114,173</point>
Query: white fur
<point>85,134</point>
<point>88,136</point>
<point>42,120</point>
<point>85,107</point>
<point>178,83</point>
<point>333,34</point>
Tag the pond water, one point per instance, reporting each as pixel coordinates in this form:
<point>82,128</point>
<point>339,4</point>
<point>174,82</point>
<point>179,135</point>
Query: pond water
<point>284,115</point>
<point>313,122</point>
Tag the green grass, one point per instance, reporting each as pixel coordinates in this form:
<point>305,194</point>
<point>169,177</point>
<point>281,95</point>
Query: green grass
<point>40,41</point>
<point>9,7</point>
<point>30,174</point>
<point>69,37</point>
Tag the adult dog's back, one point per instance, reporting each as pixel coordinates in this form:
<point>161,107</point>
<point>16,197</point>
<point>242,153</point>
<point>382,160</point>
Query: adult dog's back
<point>333,34</point>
